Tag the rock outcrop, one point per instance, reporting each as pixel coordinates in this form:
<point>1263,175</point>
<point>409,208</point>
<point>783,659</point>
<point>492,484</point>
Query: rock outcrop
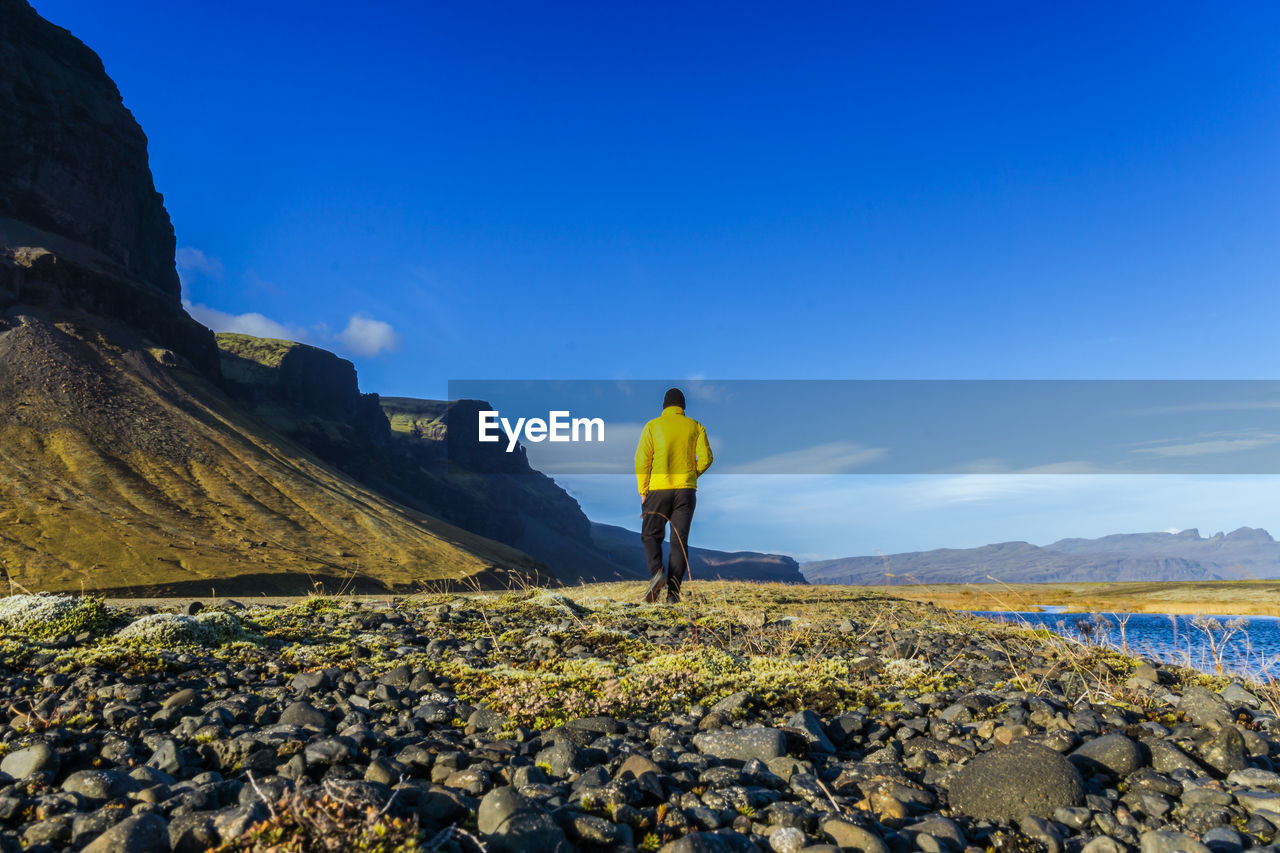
<point>82,228</point>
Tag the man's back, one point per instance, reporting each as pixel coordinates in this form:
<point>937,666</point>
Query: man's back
<point>672,453</point>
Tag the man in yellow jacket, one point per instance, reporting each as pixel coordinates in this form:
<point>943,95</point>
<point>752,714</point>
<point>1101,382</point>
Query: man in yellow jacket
<point>672,454</point>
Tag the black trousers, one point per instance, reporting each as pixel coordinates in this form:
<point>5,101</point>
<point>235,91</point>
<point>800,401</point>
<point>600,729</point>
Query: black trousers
<point>661,505</point>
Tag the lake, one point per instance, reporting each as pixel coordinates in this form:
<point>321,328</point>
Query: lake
<point>1247,646</point>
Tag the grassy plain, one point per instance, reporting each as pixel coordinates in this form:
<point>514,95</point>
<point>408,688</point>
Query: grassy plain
<point>1235,598</point>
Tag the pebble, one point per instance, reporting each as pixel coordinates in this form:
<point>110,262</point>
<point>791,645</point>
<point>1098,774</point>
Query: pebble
<point>189,756</point>
<point>1015,780</point>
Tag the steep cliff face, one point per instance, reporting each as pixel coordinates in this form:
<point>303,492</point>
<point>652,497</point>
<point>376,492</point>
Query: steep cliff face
<point>73,161</point>
<point>308,394</point>
<point>82,228</point>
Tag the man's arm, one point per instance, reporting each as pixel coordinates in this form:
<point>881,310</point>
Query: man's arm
<point>644,460</point>
<point>703,450</point>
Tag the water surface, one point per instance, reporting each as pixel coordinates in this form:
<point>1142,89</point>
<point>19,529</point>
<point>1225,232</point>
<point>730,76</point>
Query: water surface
<point>1243,645</point>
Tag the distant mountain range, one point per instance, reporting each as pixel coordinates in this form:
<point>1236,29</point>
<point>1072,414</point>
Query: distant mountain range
<point>1245,553</point>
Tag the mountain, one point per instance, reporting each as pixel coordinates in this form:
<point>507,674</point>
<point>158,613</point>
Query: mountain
<point>1247,552</point>
<point>124,464</point>
<point>623,546</point>
<point>403,448</point>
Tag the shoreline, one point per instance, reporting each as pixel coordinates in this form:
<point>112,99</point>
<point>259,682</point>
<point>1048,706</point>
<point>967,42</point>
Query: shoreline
<point>1180,598</point>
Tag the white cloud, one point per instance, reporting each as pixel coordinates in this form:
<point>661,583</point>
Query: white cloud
<point>1213,445</point>
<point>362,336</point>
<point>191,260</point>
<point>835,457</point>
<point>253,323</point>
<point>368,337</point>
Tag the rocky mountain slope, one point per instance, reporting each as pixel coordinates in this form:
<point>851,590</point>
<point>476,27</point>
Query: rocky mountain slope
<point>403,448</point>
<point>123,464</point>
<point>1244,553</point>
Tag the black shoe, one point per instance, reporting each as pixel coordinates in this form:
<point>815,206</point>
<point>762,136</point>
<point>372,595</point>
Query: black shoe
<point>673,597</point>
<point>655,587</point>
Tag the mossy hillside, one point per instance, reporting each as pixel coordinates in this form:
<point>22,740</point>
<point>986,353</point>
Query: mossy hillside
<point>142,479</point>
<point>268,352</point>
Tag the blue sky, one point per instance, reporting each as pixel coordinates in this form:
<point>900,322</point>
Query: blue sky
<point>733,191</point>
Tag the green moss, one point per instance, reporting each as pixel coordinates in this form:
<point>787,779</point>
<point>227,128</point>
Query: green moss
<point>170,630</point>
<point>49,616</point>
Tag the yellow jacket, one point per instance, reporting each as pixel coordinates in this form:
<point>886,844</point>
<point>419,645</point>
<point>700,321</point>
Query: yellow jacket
<point>673,452</point>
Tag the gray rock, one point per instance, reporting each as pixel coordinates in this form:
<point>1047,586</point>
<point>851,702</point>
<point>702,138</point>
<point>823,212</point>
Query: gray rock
<point>30,759</point>
<point>1252,777</point>
<point>1254,801</point>
<point>1049,834</point>
<point>808,723</point>
<point>101,784</point>
<point>87,826</point>
<point>144,833</point>
<point>595,725</point>
<point>1104,844</point>
<point>166,757</point>
<point>1223,839</point>
<point>846,833</point>
<point>54,831</point>
<point>1167,757</point>
<point>1196,795</point>
<point>333,750</point>
<point>305,682</point>
<point>473,780</point>
<point>385,771</point>
<point>786,839</point>
<point>486,720</point>
<point>1237,694</point>
<point>1204,707</point>
<point>563,758</point>
<point>192,833</point>
<point>591,829</point>
<point>732,703</point>
<point>742,744</point>
<point>1015,780</point>
<point>941,828</point>
<point>1112,753</point>
<point>233,822</point>
<point>304,715</point>
<point>1226,752</point>
<point>512,823</point>
<point>1163,841</point>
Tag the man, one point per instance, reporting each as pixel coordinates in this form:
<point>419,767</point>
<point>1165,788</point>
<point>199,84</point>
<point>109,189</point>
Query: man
<point>673,453</point>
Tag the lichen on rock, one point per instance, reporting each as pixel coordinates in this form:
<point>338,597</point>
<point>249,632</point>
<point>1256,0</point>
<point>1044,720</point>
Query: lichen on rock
<point>208,628</point>
<point>47,616</point>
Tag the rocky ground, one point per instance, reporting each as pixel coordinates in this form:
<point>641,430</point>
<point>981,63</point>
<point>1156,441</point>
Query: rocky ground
<point>752,718</point>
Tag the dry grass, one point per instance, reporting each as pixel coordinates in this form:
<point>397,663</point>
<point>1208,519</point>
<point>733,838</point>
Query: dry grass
<point>1245,598</point>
